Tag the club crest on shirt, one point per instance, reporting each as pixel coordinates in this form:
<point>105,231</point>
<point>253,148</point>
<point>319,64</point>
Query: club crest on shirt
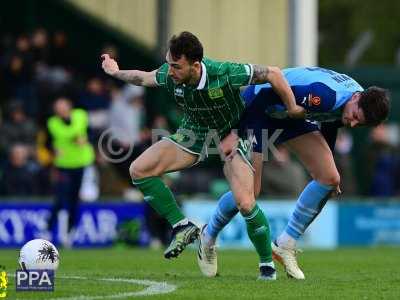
<point>178,137</point>
<point>179,92</point>
<point>314,100</point>
<point>215,93</point>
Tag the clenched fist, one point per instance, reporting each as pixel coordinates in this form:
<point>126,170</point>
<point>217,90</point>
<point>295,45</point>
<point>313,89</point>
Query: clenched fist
<point>109,65</point>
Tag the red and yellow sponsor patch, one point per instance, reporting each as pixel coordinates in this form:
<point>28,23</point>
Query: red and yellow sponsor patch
<point>313,100</point>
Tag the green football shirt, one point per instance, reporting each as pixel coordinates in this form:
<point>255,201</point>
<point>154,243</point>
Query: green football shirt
<point>216,102</point>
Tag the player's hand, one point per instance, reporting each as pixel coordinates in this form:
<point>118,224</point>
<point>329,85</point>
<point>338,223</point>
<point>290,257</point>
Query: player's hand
<point>109,65</point>
<point>227,146</point>
<point>297,112</point>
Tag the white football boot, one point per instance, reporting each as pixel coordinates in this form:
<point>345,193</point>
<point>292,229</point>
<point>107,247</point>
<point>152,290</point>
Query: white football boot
<point>207,256</point>
<point>287,257</point>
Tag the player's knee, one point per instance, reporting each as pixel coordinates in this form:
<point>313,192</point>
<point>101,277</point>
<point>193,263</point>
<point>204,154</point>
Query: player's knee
<point>330,179</point>
<point>133,171</point>
<point>137,171</point>
<point>245,207</point>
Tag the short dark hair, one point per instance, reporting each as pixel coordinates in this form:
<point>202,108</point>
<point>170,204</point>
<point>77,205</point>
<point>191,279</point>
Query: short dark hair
<point>375,103</point>
<point>187,44</point>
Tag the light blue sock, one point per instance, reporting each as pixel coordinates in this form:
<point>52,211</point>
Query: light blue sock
<point>222,215</point>
<point>308,206</point>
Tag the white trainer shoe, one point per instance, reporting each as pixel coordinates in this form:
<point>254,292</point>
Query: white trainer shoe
<point>207,257</point>
<point>287,257</point>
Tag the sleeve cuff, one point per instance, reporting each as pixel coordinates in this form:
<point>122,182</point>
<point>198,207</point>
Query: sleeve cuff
<point>250,71</point>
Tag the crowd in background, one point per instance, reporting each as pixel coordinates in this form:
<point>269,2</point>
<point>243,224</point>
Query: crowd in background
<point>38,68</point>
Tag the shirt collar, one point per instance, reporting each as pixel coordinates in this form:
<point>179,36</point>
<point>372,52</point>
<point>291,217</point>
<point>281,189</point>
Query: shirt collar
<point>203,78</point>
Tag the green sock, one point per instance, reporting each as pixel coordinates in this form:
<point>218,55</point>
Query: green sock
<point>259,234</point>
<point>160,197</point>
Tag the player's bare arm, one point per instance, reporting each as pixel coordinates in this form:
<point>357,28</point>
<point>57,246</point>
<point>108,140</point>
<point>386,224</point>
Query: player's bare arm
<point>136,77</point>
<point>273,75</point>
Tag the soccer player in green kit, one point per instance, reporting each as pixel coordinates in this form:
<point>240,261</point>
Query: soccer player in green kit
<point>208,92</point>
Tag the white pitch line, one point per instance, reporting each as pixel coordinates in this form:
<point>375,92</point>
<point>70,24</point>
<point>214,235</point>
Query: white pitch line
<point>153,288</point>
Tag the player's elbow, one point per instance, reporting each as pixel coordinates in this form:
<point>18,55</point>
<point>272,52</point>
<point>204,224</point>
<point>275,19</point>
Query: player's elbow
<point>274,73</point>
<point>275,70</point>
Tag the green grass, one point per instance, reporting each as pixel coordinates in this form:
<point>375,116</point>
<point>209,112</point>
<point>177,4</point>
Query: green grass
<point>356,273</point>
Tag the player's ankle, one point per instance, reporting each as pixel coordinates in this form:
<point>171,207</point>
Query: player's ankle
<point>286,241</point>
<point>208,240</point>
<point>269,264</point>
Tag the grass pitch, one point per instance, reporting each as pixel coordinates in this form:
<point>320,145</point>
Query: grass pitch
<point>356,273</point>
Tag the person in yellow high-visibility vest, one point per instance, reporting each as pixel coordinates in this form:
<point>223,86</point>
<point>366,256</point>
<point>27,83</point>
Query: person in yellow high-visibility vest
<point>72,153</point>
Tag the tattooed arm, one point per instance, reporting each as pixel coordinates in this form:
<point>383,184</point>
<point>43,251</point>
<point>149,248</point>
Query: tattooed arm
<point>274,76</point>
<point>135,77</point>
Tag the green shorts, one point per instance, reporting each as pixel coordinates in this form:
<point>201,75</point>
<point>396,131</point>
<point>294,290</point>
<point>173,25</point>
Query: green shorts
<point>205,144</point>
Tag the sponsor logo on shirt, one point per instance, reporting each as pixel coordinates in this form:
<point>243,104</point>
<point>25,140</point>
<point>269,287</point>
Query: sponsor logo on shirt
<point>179,92</point>
<point>3,282</point>
<point>178,137</point>
<point>215,93</point>
<point>313,100</point>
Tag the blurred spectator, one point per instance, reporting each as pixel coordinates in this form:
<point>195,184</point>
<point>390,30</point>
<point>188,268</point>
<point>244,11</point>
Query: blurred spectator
<point>158,227</point>
<point>40,46</point>
<point>61,55</point>
<point>128,136</point>
<point>68,130</point>
<point>20,174</point>
<point>201,180</point>
<point>160,122</point>
<point>383,163</point>
<point>18,74</point>
<point>343,160</point>
<point>127,115</point>
<point>24,48</point>
<point>111,182</point>
<point>17,128</point>
<point>52,77</point>
<point>276,173</point>
<point>96,101</point>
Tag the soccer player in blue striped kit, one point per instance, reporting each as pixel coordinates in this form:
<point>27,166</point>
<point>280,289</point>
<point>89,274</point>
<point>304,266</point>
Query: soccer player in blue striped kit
<point>331,100</point>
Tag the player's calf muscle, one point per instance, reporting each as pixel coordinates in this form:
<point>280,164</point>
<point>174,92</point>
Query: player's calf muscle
<point>145,166</point>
